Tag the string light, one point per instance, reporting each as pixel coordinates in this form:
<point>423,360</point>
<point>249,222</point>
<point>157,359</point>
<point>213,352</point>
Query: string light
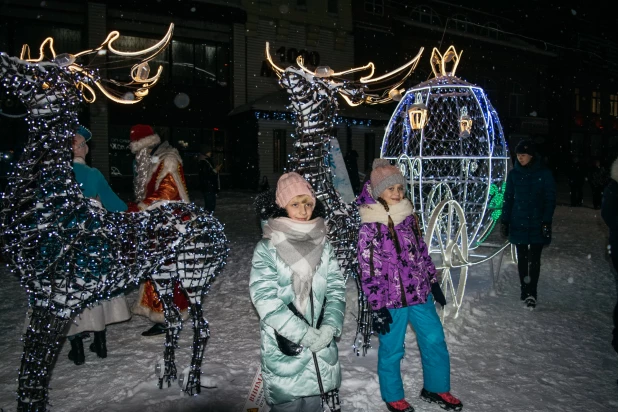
<point>455,163</point>
<point>69,252</point>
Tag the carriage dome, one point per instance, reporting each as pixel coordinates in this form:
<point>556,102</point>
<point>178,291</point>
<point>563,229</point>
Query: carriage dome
<point>447,139</point>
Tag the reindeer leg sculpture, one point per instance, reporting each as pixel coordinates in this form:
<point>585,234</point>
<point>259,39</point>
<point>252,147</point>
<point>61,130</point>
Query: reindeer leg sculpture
<point>173,323</point>
<point>41,348</point>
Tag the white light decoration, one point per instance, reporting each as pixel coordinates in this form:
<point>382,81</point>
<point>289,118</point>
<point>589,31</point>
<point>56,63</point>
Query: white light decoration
<point>455,165</point>
<point>314,103</point>
<point>68,251</point>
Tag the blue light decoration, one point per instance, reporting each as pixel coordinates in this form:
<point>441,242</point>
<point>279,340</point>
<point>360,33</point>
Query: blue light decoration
<point>447,140</point>
<point>68,251</point>
<point>441,152</point>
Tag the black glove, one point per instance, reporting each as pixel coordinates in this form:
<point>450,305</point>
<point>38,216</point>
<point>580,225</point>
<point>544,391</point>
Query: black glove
<point>437,294</point>
<point>381,319</point>
<point>546,230</point>
<point>504,229</point>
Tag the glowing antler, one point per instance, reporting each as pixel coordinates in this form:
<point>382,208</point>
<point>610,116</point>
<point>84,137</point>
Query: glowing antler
<point>354,92</point>
<point>140,82</point>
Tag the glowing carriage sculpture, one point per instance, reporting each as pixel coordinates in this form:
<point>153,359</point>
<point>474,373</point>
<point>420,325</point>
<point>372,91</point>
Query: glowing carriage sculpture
<point>447,139</point>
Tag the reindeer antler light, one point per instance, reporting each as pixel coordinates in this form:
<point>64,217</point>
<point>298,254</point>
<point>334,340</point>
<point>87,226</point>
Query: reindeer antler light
<point>367,89</point>
<point>140,70</point>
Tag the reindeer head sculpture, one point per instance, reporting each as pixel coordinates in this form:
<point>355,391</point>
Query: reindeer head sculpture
<point>70,252</point>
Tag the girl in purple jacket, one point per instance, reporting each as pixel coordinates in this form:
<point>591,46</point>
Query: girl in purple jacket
<point>399,278</point>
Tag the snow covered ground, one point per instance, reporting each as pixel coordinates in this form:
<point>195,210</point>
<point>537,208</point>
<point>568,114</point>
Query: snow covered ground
<point>503,357</point>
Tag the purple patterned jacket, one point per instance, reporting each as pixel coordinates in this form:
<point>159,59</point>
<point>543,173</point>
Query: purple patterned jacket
<point>390,279</point>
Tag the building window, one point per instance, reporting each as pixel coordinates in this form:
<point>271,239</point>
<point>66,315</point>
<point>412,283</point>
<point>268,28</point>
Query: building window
<point>577,100</point>
<point>458,22</point>
<point>279,151</point>
<point>375,7</point>
<point>192,63</point>
<point>492,30</point>
<point>613,105</point>
<point>333,6</point>
<point>426,15</point>
<point>595,106</point>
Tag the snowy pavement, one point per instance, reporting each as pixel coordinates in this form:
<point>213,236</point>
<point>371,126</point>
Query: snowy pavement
<point>503,357</point>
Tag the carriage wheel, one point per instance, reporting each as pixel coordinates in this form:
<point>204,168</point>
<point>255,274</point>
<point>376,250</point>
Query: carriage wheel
<point>439,193</point>
<point>447,235</point>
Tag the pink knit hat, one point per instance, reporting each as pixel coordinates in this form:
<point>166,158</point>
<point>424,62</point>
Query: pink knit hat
<point>383,176</point>
<point>291,185</point>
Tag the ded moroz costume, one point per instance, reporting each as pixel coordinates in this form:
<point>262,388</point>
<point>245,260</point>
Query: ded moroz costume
<point>159,177</point>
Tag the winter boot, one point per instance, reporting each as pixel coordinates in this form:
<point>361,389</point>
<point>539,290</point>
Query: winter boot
<point>399,406</point>
<point>531,302</point>
<point>99,345</point>
<point>76,354</point>
<point>445,400</point>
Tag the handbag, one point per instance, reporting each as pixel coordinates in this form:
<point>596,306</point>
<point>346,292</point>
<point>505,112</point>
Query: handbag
<point>286,346</point>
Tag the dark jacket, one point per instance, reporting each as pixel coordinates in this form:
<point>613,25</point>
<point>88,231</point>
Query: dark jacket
<point>609,209</point>
<point>529,202</point>
<point>209,177</point>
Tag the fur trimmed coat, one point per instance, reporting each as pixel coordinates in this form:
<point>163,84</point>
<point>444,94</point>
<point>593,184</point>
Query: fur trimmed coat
<point>390,279</point>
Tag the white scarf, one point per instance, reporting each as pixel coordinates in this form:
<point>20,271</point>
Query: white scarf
<point>300,246</point>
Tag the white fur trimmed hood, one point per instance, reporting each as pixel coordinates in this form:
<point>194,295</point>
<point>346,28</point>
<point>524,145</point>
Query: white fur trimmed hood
<point>375,212</point>
<point>144,142</point>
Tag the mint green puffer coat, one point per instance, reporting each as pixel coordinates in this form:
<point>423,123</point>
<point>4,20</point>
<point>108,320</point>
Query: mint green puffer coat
<point>287,378</point>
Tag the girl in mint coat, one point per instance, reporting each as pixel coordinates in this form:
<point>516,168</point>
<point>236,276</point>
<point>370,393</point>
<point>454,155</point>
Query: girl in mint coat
<point>298,290</point>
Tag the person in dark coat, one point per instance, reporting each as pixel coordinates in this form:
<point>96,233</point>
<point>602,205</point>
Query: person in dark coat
<point>529,203</point>
<point>609,212</point>
<point>209,178</point>
<point>576,177</point>
<point>598,181</point>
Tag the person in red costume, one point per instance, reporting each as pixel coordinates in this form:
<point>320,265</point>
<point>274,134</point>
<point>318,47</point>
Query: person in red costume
<point>159,176</point>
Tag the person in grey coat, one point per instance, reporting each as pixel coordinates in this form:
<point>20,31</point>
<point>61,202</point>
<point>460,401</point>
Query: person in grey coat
<point>527,213</point>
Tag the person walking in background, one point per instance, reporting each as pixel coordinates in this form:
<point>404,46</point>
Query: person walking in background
<point>399,279</point>
<point>609,212</point>
<point>94,186</point>
<point>576,176</point>
<point>209,178</point>
<point>159,177</point>
<point>598,180</point>
<point>298,290</point>
<point>527,213</point>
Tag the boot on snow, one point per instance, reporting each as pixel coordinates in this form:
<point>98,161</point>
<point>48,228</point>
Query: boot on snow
<point>76,354</point>
<point>99,345</point>
<point>445,400</point>
<point>530,302</point>
<point>399,406</point>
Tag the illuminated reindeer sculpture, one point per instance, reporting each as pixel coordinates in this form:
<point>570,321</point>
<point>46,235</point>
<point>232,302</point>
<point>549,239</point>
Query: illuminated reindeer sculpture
<point>71,253</point>
<point>313,95</point>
